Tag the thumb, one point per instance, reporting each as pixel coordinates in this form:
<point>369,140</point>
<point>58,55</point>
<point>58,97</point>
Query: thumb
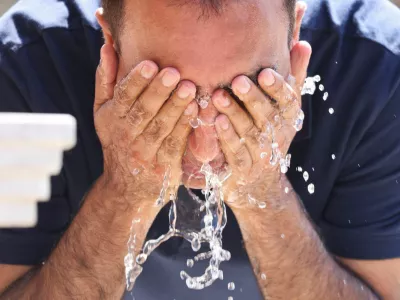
<point>300,59</point>
<point>105,76</point>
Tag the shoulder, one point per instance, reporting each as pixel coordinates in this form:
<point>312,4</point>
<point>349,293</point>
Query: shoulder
<point>48,48</point>
<point>27,21</point>
<point>356,50</point>
<point>374,20</point>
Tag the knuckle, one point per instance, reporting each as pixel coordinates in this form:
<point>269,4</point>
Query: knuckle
<point>250,131</point>
<point>120,95</point>
<point>137,114</point>
<point>155,131</point>
<point>172,146</point>
<point>240,158</point>
<point>157,90</point>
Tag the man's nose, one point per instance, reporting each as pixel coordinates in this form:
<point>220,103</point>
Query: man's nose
<point>203,142</point>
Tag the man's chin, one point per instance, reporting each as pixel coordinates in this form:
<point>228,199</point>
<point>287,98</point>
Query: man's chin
<point>194,181</point>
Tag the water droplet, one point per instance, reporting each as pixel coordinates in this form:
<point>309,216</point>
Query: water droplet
<point>317,78</point>
<point>362,287</point>
<point>313,169</point>
<point>306,176</point>
<point>141,259</point>
<point>263,155</point>
<point>326,95</point>
<point>135,172</point>
<point>282,236</point>
<point>309,86</point>
<point>196,244</point>
<point>349,221</point>
<point>242,140</point>
<point>321,87</point>
<point>183,275</point>
<point>298,123</point>
<point>286,190</point>
<point>231,286</point>
<point>359,165</point>
<point>277,118</point>
<point>299,169</point>
<point>190,263</point>
<point>333,156</point>
<point>284,169</point>
<point>263,276</point>
<point>344,281</point>
<point>203,103</point>
<point>331,111</point>
<point>311,188</point>
<point>194,123</point>
<point>262,205</point>
<point>230,298</point>
<point>221,275</point>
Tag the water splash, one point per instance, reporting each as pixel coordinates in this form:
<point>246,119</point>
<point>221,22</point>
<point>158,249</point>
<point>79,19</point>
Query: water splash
<point>213,208</point>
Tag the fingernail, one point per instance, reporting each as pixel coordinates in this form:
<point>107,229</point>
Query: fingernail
<point>223,123</point>
<point>184,91</point>
<point>147,71</point>
<point>268,77</point>
<point>189,109</point>
<point>223,100</point>
<point>243,85</point>
<point>169,78</point>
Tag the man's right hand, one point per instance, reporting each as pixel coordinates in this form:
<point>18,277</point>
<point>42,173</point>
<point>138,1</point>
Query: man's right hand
<point>143,124</point>
<point>143,128</point>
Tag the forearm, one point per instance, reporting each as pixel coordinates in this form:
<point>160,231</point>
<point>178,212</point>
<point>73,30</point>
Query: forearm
<point>88,262</point>
<point>289,259</point>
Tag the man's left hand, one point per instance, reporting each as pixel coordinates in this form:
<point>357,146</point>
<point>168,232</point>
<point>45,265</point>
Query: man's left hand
<point>255,142</point>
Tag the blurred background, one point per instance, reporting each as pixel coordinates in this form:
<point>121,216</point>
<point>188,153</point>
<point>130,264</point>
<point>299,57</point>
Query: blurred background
<point>5,4</point>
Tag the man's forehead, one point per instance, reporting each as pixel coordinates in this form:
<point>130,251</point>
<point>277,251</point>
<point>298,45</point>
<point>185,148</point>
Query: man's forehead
<point>209,53</point>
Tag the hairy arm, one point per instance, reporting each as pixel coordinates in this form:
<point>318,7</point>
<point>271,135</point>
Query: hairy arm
<point>289,258</point>
<point>88,262</point>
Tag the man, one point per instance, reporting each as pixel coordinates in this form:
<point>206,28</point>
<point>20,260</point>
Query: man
<point>157,57</point>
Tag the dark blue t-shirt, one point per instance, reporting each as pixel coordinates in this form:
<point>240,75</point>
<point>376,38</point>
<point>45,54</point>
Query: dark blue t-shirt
<point>49,50</point>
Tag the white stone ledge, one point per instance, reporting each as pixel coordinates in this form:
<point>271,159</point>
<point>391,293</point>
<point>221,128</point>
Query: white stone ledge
<point>18,214</point>
<point>43,130</point>
<point>31,151</point>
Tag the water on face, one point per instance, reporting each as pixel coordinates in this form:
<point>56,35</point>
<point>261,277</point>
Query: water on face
<point>213,208</point>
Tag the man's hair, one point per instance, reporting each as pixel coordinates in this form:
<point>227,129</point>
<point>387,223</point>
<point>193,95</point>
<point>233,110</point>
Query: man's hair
<point>114,11</point>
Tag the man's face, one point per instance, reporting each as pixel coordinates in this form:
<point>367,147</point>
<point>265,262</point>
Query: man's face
<point>210,51</point>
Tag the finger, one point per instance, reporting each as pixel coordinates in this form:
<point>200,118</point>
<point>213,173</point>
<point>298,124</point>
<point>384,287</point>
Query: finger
<point>174,145</point>
<point>256,102</point>
<point>164,122</point>
<point>105,76</point>
<point>276,87</point>
<point>152,99</point>
<point>133,85</point>
<point>236,153</point>
<point>240,120</point>
<point>300,59</point>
